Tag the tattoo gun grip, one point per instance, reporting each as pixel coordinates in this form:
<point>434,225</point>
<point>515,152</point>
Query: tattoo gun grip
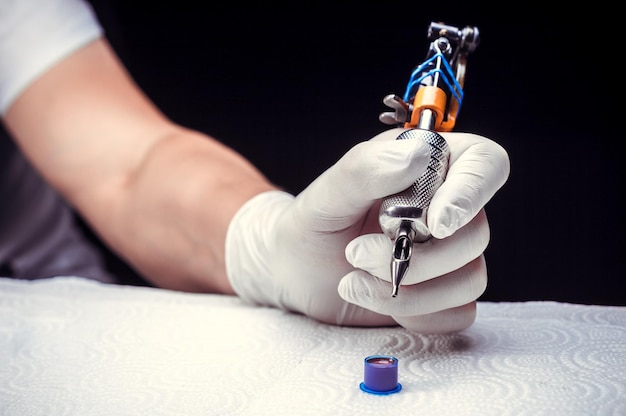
<point>403,216</point>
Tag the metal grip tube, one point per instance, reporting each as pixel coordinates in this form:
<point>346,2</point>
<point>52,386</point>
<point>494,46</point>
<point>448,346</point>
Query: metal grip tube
<point>410,207</point>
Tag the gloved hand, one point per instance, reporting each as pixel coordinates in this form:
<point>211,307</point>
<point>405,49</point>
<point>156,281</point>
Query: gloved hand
<point>322,253</point>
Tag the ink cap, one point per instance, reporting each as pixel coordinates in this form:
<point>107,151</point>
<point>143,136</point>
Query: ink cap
<point>380,375</point>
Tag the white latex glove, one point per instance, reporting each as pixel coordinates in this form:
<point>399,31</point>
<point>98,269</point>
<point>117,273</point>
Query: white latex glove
<point>300,253</point>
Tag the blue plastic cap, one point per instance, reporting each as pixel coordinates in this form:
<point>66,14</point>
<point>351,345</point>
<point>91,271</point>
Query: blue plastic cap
<point>381,375</point>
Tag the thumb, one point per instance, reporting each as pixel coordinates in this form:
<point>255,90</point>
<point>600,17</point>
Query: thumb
<point>368,171</point>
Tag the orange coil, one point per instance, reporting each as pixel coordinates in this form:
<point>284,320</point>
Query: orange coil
<point>434,99</point>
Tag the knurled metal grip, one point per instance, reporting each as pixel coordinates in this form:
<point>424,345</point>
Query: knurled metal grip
<point>410,206</point>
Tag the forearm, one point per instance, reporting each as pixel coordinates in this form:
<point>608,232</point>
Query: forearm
<point>159,195</point>
<point>173,215</point>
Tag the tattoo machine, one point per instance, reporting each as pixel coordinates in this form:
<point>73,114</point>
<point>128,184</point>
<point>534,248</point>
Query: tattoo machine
<point>431,103</point>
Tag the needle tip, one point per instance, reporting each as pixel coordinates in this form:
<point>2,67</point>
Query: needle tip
<point>394,291</point>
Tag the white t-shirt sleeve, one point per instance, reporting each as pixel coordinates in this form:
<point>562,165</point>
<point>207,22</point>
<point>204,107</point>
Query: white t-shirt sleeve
<point>36,34</point>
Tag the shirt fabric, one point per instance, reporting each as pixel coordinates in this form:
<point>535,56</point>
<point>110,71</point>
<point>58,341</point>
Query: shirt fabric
<point>36,34</point>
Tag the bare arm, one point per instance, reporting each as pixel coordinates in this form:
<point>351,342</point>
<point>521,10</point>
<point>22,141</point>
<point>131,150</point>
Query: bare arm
<point>158,194</point>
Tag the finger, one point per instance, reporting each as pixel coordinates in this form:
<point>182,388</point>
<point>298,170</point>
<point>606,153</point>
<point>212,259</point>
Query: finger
<point>451,290</point>
<point>372,252</point>
<point>478,168</point>
<point>367,172</point>
<point>442,322</point>
<point>353,315</point>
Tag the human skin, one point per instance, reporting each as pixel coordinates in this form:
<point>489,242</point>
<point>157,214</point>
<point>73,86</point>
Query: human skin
<point>158,194</point>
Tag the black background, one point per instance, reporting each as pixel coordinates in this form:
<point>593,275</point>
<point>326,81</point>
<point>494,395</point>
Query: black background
<point>293,87</point>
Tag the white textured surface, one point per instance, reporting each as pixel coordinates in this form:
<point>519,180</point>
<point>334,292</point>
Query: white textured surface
<point>70,346</point>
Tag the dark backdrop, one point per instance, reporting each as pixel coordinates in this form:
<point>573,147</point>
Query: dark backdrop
<point>294,87</point>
